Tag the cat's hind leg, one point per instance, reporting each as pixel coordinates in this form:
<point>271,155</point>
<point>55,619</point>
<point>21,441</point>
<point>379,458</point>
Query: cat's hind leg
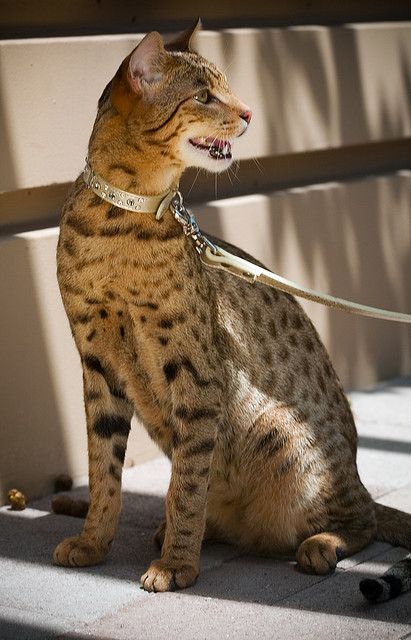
<point>108,413</point>
<point>320,553</point>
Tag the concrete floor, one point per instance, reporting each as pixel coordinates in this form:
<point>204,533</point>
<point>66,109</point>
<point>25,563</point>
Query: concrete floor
<point>236,596</point>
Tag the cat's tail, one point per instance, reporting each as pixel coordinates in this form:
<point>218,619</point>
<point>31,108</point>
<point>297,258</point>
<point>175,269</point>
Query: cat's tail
<point>393,526</point>
<point>64,505</point>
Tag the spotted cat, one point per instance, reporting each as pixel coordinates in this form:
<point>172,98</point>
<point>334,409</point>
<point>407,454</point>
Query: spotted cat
<point>230,379</point>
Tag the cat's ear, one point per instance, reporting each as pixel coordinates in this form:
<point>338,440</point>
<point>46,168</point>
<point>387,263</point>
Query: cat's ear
<point>145,63</point>
<point>140,69</point>
<point>183,42</point>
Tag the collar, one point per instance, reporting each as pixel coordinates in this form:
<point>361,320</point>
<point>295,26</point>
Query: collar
<point>157,204</point>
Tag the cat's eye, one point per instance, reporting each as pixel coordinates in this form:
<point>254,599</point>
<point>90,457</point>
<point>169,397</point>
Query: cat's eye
<point>202,96</point>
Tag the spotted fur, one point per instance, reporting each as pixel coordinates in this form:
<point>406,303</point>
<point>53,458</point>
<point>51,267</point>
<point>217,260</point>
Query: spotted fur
<point>230,380</point>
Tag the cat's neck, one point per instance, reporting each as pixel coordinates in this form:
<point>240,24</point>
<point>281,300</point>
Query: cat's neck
<point>135,177</point>
<point>131,165</point>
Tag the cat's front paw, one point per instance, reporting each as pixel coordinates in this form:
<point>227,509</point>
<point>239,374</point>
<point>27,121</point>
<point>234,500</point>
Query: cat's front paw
<point>78,552</point>
<point>168,576</point>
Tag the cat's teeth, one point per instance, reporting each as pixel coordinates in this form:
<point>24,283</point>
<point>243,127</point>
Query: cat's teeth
<point>217,149</point>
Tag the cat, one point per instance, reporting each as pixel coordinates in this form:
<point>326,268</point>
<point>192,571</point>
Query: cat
<point>230,379</point>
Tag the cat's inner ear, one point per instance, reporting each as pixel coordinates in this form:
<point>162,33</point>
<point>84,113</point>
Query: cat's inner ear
<point>184,41</point>
<point>146,61</point>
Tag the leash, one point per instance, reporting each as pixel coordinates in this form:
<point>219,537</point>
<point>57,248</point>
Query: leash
<point>218,258</point>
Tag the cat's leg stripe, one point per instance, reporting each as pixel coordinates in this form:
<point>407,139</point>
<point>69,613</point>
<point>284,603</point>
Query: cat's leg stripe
<point>93,364</point>
<point>190,487</point>
<point>116,473</point>
<point>192,415</point>
<point>171,370</point>
<point>270,443</point>
<point>202,448</point>
<point>119,452</point>
<point>108,425</point>
<point>178,440</point>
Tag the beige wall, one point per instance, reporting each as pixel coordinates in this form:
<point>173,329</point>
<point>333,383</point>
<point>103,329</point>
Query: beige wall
<point>332,106</point>
<point>310,88</point>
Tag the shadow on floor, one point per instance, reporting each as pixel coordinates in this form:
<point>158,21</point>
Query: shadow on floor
<point>226,574</point>
<point>19,631</point>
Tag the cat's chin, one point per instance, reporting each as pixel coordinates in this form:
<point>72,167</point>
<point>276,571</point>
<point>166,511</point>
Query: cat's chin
<point>208,153</point>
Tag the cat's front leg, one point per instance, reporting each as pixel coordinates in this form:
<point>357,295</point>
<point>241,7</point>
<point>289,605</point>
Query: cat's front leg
<point>108,413</point>
<point>195,420</point>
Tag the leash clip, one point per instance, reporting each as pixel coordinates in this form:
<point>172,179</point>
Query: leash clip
<point>190,225</point>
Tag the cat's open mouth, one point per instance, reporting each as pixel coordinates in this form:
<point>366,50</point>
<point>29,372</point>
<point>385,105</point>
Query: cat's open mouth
<point>215,148</point>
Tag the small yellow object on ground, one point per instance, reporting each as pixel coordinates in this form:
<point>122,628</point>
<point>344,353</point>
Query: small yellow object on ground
<point>17,500</point>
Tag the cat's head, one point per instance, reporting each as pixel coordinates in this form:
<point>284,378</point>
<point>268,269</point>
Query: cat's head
<point>173,100</point>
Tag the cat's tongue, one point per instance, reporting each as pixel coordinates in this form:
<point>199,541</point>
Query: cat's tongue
<point>217,149</point>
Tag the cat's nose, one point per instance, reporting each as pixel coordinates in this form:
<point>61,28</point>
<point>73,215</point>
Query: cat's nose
<point>246,115</point>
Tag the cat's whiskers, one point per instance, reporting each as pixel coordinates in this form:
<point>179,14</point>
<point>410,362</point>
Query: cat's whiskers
<point>230,64</point>
<point>233,172</point>
<point>194,181</point>
<point>258,165</point>
<point>228,176</point>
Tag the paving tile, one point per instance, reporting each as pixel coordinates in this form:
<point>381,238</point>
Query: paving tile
<point>254,597</point>
<point>399,499</point>
<point>371,551</point>
<point>341,597</point>
<point>387,403</point>
<point>16,624</point>
<point>383,473</point>
<point>253,579</point>
<point>227,608</point>
<point>383,418</point>
<point>32,586</point>
<point>70,593</point>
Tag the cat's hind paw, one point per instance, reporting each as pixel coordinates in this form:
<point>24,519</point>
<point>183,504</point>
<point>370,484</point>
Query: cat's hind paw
<point>167,576</point>
<point>78,552</point>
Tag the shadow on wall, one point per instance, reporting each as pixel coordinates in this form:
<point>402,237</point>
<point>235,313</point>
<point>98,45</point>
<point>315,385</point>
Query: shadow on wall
<point>406,71</point>
<point>351,245</point>
<point>324,88</point>
<point>296,117</point>
<point>30,421</point>
<point>8,175</point>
